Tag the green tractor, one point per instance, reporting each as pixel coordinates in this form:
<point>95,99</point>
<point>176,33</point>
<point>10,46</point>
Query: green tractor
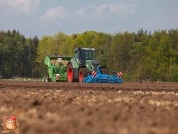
<point>83,64</point>
<point>66,68</point>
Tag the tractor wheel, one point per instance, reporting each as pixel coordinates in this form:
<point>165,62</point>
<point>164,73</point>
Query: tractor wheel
<point>83,72</point>
<point>70,73</point>
<point>104,70</point>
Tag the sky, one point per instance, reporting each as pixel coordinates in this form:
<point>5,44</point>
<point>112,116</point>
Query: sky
<point>48,17</point>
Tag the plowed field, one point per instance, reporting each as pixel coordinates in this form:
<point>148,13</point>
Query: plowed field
<point>74,108</point>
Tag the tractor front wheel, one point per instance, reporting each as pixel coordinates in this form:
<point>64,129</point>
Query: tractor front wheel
<point>83,72</point>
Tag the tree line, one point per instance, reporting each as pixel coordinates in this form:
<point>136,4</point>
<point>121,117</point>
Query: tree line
<point>17,55</point>
<point>136,55</point>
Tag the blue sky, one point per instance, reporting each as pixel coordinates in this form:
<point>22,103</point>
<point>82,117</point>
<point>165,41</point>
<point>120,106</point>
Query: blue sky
<point>48,17</point>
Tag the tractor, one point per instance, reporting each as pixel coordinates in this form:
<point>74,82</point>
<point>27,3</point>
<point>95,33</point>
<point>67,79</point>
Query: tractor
<point>83,64</point>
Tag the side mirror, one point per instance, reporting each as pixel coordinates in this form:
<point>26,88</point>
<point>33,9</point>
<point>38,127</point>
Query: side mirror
<point>76,51</point>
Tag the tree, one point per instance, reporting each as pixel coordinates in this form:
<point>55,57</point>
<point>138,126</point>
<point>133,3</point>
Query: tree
<point>164,56</point>
<point>45,47</point>
<point>60,40</point>
<point>121,47</point>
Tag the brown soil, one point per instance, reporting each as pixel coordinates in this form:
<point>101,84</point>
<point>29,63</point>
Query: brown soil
<point>74,108</point>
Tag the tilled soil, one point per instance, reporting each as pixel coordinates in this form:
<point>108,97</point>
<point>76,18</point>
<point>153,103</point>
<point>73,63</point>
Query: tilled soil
<point>74,108</point>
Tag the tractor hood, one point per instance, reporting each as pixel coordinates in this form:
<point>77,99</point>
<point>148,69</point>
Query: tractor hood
<point>91,65</point>
<point>94,63</point>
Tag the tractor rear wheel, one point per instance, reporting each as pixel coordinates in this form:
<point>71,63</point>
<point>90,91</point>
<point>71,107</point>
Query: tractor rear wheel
<point>83,72</point>
<point>104,70</point>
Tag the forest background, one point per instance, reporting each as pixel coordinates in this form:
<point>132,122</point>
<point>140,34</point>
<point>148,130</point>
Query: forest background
<point>136,55</point>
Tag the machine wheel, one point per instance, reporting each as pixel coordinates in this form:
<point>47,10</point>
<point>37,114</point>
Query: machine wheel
<point>104,70</point>
<point>83,72</point>
<point>70,73</point>
<point>47,79</point>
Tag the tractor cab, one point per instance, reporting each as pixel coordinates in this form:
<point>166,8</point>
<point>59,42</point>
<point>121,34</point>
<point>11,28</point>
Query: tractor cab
<point>86,57</point>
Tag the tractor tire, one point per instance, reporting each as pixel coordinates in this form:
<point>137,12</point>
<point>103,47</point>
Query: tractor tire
<point>70,73</point>
<point>104,70</point>
<point>83,72</point>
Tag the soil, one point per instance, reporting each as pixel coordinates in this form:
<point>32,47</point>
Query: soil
<point>78,108</point>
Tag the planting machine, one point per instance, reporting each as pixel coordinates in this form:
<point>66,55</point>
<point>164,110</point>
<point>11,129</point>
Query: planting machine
<point>56,68</point>
<point>82,68</point>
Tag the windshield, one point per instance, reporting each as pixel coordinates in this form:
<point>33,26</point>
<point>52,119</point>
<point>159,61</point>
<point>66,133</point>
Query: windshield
<point>88,55</point>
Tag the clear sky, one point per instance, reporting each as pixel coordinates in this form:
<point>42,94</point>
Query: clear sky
<point>47,17</point>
